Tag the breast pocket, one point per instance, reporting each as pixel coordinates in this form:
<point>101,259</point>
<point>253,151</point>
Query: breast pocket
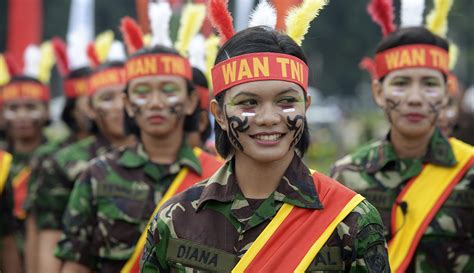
<point>455,218</point>
<point>121,218</point>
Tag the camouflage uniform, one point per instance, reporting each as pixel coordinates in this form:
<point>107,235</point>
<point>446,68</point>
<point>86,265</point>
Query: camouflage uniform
<point>57,177</point>
<point>376,172</point>
<point>40,158</point>
<point>216,217</point>
<point>111,204</point>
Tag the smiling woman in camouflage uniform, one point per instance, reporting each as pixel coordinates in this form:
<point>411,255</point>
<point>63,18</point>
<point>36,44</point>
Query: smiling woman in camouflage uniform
<point>421,182</point>
<point>264,210</point>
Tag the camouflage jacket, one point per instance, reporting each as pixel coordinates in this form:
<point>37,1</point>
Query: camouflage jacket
<point>56,179</point>
<point>216,217</point>
<point>377,173</point>
<point>40,159</point>
<point>111,204</point>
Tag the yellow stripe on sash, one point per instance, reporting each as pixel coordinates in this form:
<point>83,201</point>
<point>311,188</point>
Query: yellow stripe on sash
<point>423,194</point>
<point>262,239</point>
<point>5,163</point>
<point>314,250</point>
<point>169,193</point>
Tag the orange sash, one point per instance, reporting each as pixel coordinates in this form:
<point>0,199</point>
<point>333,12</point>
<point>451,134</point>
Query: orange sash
<point>424,194</point>
<point>5,163</point>
<point>20,191</point>
<point>183,180</point>
<point>294,237</point>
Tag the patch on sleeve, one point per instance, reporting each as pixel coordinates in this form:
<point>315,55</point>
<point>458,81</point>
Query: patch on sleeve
<point>376,259</point>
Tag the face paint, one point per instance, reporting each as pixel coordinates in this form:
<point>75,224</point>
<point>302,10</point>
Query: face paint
<point>435,108</point>
<point>289,110</point>
<point>236,126</point>
<point>298,129</point>
<point>392,106</point>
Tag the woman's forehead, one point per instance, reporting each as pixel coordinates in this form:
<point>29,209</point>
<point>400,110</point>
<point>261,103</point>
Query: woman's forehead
<point>157,80</point>
<point>415,73</point>
<point>265,89</point>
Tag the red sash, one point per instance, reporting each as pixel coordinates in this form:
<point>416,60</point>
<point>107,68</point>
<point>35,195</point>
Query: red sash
<point>5,163</point>
<point>183,180</point>
<point>424,194</point>
<point>294,237</point>
<point>20,191</point>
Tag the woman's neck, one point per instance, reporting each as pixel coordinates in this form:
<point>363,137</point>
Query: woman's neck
<point>257,180</point>
<point>27,145</point>
<point>163,150</point>
<point>120,141</point>
<point>410,147</point>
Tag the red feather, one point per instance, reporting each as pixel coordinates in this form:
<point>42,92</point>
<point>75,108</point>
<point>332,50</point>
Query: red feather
<point>382,13</point>
<point>92,55</point>
<point>220,18</point>
<point>368,64</point>
<point>12,66</point>
<point>132,34</point>
<point>62,62</point>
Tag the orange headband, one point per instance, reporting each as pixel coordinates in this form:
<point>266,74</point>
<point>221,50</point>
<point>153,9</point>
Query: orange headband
<point>158,64</point>
<point>107,78</point>
<point>76,87</point>
<point>411,56</point>
<point>25,90</point>
<point>262,66</point>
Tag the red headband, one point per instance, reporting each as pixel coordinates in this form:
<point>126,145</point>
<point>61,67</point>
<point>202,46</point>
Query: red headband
<point>412,56</point>
<point>158,64</point>
<point>76,87</point>
<point>262,66</point>
<point>107,78</point>
<point>25,90</point>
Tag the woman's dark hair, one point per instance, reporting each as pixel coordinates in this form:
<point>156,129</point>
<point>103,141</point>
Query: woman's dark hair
<point>251,40</point>
<point>130,125</point>
<point>411,36</point>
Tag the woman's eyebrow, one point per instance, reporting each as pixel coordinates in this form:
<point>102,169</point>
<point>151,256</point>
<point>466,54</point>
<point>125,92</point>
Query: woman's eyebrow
<point>244,93</point>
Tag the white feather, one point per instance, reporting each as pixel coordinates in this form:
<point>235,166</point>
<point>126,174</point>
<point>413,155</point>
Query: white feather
<point>160,16</point>
<point>412,13</point>
<point>32,59</point>
<point>197,52</point>
<point>116,52</point>
<point>77,50</point>
<point>263,15</point>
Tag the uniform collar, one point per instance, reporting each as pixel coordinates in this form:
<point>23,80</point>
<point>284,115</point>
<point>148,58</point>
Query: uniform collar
<point>296,187</point>
<point>136,157</point>
<point>439,153</point>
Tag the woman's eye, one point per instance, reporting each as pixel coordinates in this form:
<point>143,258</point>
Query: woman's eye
<point>399,83</point>
<point>169,88</point>
<point>141,90</point>
<point>432,83</point>
<point>287,100</point>
<point>247,103</point>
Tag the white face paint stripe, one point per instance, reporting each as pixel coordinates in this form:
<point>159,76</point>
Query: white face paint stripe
<point>289,110</point>
<point>247,114</point>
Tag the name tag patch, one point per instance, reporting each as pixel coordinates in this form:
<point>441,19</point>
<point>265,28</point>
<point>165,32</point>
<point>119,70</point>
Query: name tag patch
<point>328,258</point>
<point>199,256</point>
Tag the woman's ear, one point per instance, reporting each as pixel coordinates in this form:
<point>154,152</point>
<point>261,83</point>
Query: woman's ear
<point>128,106</point>
<point>192,102</point>
<point>308,101</point>
<point>377,93</point>
<point>218,114</point>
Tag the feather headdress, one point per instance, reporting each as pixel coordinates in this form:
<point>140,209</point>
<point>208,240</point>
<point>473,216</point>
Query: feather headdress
<point>4,74</point>
<point>46,62</point>
<point>221,19</point>
<point>59,47</point>
<point>116,52</point>
<point>368,64</point>
<point>382,13</point>
<point>212,47</point>
<point>412,13</point>
<point>298,19</point>
<point>32,58</point>
<point>437,19</point>
<point>132,34</point>
<point>102,44</point>
<point>92,55</point>
<point>160,16</point>
<point>191,22</point>
<point>263,15</point>
<point>453,55</point>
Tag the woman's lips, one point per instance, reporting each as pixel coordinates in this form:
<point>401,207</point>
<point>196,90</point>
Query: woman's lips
<point>156,119</point>
<point>415,117</point>
<point>267,139</point>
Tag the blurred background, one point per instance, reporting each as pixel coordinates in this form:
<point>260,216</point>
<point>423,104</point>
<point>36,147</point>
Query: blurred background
<point>343,115</point>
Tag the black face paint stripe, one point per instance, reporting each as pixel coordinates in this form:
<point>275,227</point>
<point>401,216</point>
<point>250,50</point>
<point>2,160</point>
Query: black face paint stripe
<point>435,109</point>
<point>236,126</point>
<point>298,130</point>
<point>391,106</point>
